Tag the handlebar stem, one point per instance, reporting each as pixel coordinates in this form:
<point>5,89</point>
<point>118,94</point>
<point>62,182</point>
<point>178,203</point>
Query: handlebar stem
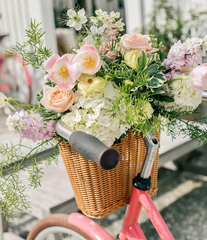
<point>204,95</point>
<point>63,131</point>
<point>151,143</point>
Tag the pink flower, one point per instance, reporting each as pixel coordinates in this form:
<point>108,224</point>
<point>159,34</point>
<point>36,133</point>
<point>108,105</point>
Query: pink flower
<point>183,57</point>
<point>31,126</point>
<point>62,71</point>
<point>137,41</point>
<point>57,99</point>
<point>198,77</point>
<point>88,59</point>
<point>112,54</point>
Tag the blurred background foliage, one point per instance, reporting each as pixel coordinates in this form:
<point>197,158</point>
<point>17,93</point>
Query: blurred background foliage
<point>168,21</point>
<point>61,7</point>
<point>170,24</point>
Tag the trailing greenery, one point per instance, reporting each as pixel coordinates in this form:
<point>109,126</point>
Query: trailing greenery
<point>14,159</point>
<point>32,51</point>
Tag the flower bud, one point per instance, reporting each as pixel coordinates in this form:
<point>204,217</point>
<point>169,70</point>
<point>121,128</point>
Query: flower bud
<point>128,82</point>
<point>131,57</point>
<point>198,77</point>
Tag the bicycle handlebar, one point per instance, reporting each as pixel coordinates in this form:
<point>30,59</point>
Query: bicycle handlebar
<point>89,146</point>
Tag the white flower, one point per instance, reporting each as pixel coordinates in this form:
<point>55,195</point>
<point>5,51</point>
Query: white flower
<point>148,110</point>
<point>95,32</point>
<point>4,101</point>
<point>90,114</point>
<point>120,25</point>
<point>115,14</point>
<point>184,94</point>
<point>110,91</point>
<point>76,19</point>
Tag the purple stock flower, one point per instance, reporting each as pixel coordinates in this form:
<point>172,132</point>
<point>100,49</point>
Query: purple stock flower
<point>183,57</point>
<point>31,126</point>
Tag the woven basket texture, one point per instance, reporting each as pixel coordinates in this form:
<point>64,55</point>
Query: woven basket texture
<point>99,192</point>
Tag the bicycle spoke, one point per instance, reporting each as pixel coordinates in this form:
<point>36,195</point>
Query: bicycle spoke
<point>14,79</point>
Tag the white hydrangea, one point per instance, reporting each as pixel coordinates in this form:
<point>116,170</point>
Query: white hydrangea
<point>184,94</point>
<point>90,114</point>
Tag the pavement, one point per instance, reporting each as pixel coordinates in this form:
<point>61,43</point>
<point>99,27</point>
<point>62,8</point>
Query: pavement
<point>181,200</point>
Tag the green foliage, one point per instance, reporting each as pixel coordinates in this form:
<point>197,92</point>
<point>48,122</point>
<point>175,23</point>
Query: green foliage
<point>163,98</point>
<point>174,26</point>
<point>142,61</point>
<point>39,96</point>
<point>13,160</point>
<point>32,51</point>
<point>196,130</point>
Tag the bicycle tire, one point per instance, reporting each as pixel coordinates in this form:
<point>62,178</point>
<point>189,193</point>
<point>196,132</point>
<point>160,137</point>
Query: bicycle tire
<point>56,223</point>
<point>16,78</point>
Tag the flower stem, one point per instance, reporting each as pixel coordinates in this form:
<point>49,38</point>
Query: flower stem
<point>176,79</point>
<point>20,103</point>
<point>84,25</point>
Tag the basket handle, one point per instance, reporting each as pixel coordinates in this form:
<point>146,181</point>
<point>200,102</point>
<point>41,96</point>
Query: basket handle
<point>89,147</point>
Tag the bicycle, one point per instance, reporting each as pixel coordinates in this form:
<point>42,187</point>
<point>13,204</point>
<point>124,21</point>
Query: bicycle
<point>15,79</point>
<point>77,226</point>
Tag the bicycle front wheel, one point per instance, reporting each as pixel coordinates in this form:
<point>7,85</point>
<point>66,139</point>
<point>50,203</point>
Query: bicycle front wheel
<point>15,79</point>
<point>56,227</point>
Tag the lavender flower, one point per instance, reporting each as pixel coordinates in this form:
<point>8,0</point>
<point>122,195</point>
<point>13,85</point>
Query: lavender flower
<point>183,57</point>
<point>30,126</point>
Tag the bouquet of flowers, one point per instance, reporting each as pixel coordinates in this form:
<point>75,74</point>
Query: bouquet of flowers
<point>111,83</point>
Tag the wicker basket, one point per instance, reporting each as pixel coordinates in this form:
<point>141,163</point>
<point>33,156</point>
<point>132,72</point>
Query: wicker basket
<point>99,192</point>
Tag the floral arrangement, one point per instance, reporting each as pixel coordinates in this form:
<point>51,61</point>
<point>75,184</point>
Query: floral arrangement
<point>110,84</point>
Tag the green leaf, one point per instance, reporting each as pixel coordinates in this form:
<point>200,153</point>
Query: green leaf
<point>135,89</point>
<point>151,70</point>
<point>163,98</point>
<point>155,82</point>
<point>142,60</point>
<point>39,96</point>
<point>160,75</point>
<point>50,83</point>
<point>157,92</point>
<point>162,68</point>
<point>152,58</point>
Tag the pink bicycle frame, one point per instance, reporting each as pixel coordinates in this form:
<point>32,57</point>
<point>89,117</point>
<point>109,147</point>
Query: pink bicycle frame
<point>130,229</point>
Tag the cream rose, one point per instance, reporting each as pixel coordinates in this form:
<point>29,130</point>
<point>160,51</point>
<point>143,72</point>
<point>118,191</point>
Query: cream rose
<point>57,99</point>
<point>137,41</point>
<point>131,57</point>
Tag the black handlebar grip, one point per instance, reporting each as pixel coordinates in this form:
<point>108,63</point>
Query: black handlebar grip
<point>92,148</point>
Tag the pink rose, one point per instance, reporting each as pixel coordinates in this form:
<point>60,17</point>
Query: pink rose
<point>57,99</point>
<point>198,77</point>
<point>137,41</point>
